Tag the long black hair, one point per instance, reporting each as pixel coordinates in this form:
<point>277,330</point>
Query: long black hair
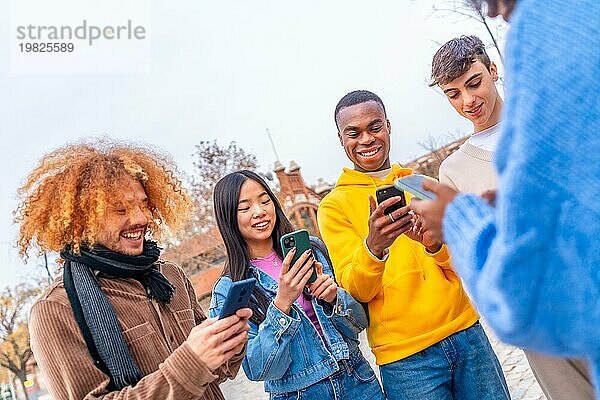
<point>226,197</point>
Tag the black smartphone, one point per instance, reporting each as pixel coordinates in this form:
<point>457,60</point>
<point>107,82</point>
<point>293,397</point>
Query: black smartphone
<point>237,297</point>
<point>301,241</point>
<point>387,192</point>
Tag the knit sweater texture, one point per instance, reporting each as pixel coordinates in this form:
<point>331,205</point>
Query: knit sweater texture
<point>469,170</point>
<point>155,334</point>
<point>415,298</point>
<point>532,263</point>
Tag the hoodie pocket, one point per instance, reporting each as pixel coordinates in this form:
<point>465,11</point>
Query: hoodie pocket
<point>401,304</point>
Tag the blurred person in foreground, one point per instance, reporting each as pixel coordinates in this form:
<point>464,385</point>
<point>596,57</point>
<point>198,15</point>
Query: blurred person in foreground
<point>529,254</point>
<point>462,69</point>
<point>119,322</point>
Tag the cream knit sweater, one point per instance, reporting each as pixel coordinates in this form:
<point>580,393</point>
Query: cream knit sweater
<point>469,170</point>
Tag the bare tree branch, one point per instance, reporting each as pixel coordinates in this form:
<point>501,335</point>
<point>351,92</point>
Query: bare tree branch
<point>473,10</point>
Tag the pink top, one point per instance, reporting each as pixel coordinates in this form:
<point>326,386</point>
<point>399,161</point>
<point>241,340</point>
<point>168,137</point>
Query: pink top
<point>271,265</point>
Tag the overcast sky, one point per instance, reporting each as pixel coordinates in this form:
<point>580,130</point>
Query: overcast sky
<point>228,70</point>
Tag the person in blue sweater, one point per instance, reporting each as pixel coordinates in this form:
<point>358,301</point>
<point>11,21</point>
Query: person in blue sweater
<point>530,255</point>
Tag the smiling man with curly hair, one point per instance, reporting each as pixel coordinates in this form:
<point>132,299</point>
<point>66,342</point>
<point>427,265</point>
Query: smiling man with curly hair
<point>119,322</point>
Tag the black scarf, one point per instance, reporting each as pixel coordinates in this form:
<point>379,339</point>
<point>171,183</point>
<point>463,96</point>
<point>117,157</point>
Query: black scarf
<point>93,311</point>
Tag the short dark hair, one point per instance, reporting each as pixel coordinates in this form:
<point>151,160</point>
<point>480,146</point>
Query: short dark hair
<point>455,57</point>
<point>354,98</point>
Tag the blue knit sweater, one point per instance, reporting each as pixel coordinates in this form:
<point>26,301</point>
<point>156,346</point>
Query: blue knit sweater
<point>532,263</point>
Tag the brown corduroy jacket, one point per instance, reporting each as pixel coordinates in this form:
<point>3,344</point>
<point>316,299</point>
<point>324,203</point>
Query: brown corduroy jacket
<point>155,335</point>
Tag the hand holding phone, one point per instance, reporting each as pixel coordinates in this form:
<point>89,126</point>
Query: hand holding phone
<point>384,225</point>
<point>297,269</point>
<point>301,241</point>
<point>237,297</point>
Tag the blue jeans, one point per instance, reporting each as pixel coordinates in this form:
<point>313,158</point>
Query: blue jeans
<point>462,367</point>
<point>355,381</point>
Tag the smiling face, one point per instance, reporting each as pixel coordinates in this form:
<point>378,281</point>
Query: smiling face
<point>474,95</point>
<point>256,217</point>
<point>123,226</point>
<point>364,132</point>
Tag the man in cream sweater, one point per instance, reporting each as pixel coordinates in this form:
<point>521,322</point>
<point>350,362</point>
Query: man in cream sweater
<point>464,72</point>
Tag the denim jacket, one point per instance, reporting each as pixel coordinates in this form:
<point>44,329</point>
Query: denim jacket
<point>286,351</point>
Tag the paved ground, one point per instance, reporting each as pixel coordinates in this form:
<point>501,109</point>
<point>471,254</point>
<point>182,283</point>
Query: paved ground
<point>521,383</point>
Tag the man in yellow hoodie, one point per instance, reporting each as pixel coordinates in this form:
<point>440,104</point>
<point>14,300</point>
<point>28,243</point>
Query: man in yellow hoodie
<point>423,330</point>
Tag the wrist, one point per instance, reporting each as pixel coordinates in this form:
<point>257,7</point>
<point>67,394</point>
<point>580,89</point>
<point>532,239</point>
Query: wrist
<point>282,306</point>
<point>379,253</point>
<point>434,248</point>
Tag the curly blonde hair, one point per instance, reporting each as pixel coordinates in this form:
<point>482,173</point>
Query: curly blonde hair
<point>66,196</point>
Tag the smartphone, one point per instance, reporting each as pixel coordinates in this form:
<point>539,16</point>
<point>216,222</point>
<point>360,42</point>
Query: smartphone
<point>413,184</point>
<point>387,192</point>
<point>300,240</point>
<point>237,297</point>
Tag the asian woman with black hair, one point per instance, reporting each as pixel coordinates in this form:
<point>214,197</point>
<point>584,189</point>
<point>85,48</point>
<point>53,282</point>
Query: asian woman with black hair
<point>303,341</point>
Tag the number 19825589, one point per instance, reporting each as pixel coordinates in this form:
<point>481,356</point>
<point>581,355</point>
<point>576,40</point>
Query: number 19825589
<point>46,47</point>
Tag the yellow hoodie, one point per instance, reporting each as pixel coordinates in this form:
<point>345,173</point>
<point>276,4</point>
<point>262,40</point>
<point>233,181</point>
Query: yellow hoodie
<point>415,298</point>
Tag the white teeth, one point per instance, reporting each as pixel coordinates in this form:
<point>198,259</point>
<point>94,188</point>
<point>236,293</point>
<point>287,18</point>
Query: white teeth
<point>370,153</point>
<point>132,235</point>
<point>261,224</point>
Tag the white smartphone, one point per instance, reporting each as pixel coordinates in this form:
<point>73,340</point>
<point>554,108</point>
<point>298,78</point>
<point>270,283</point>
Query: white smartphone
<point>413,184</point>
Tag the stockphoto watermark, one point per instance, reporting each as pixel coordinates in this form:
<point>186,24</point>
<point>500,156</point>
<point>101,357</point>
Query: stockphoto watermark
<point>79,37</point>
<point>85,31</point>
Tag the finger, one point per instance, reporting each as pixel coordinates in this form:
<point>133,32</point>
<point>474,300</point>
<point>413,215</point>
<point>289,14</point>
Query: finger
<point>323,288</point>
<point>233,341</point>
<point>302,276</point>
<point>225,323</point>
<point>285,264</point>
<point>241,326</point>
<point>305,277</point>
<point>433,186</point>
<point>397,224</point>
<point>417,224</point>
<point>316,285</point>
<point>378,211</point>
<point>319,267</point>
<point>419,206</point>
<point>389,202</point>
<point>399,213</point>
<point>207,322</point>
<point>236,351</point>
<point>228,354</point>
<point>320,279</point>
<point>372,205</point>
<point>244,313</point>
<point>304,258</point>
<point>331,291</point>
<point>403,229</point>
